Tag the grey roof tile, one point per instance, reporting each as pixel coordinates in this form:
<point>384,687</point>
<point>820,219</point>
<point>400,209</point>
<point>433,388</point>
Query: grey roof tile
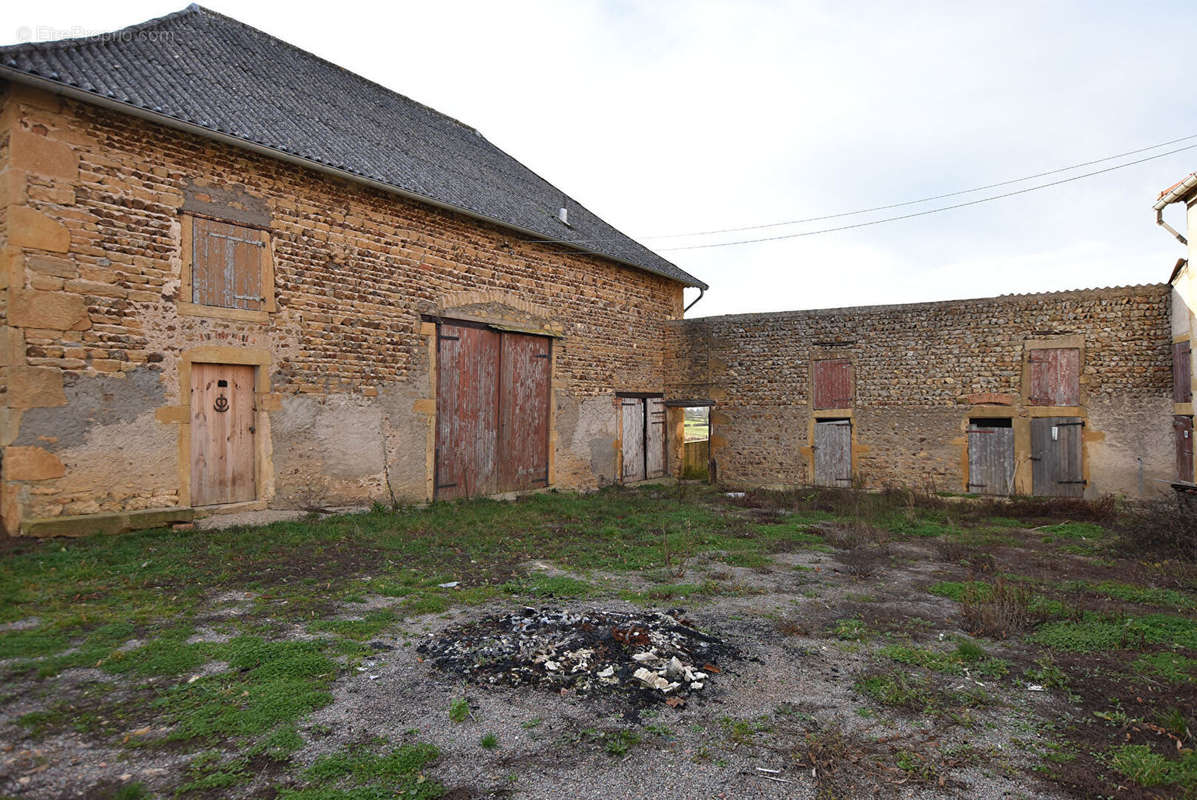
<point>227,79</point>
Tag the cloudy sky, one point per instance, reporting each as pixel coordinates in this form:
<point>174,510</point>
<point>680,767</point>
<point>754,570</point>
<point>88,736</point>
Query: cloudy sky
<point>674,117</point>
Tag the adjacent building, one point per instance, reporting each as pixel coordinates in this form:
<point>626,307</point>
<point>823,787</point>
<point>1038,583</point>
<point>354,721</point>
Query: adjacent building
<point>1184,317</point>
<point>1058,394</point>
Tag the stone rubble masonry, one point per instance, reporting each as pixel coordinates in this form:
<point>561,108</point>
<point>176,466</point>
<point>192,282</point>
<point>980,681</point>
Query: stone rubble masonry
<point>922,371</point>
<point>94,351</point>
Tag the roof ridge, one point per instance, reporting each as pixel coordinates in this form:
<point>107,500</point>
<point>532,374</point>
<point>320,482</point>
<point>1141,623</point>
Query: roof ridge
<point>77,41</point>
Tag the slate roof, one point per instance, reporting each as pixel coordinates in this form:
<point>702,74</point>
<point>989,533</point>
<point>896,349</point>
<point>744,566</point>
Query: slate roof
<point>208,70</point>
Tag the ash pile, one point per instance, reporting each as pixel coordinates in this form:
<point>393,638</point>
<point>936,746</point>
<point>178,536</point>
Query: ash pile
<point>646,658</point>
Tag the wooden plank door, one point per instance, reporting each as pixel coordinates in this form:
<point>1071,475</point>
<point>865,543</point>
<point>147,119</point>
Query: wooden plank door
<point>525,365</point>
<point>654,441</point>
<point>222,434</point>
<point>1183,428</point>
<point>467,411</point>
<point>833,452</point>
<point>1057,469</point>
<point>632,416</point>
<point>991,457</point>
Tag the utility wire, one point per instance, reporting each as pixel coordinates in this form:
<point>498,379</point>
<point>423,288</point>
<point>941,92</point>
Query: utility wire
<point>926,199</point>
<point>932,210</point>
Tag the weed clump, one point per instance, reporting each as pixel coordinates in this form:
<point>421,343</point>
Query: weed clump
<point>1162,529</point>
<point>1002,611</point>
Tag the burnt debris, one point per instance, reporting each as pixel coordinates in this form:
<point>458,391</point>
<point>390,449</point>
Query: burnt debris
<point>646,657</point>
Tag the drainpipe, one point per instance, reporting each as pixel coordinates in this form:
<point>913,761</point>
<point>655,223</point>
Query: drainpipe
<point>1159,220</point>
<point>701,292</point>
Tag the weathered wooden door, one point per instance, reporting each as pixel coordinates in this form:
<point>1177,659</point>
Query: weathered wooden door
<point>632,416</point>
<point>833,452</point>
<point>467,411</point>
<point>1057,469</point>
<point>1183,428</point>
<point>525,363</point>
<point>991,456</point>
<point>654,441</point>
<point>222,434</point>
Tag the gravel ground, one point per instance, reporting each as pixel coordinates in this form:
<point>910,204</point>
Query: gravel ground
<point>793,693</point>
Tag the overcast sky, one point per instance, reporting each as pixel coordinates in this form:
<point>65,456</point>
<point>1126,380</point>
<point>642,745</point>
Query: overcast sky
<point>672,117</point>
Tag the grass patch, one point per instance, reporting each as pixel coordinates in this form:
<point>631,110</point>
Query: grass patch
<point>956,590</point>
<point>541,585</point>
<point>968,656</point>
<point>1169,667</point>
<point>1145,767</point>
<point>1139,595</point>
<point>360,773</point>
<point>270,684</point>
<point>917,694</point>
<point>1094,633</point>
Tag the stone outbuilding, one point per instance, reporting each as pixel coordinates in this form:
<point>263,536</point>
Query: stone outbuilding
<point>226,291</point>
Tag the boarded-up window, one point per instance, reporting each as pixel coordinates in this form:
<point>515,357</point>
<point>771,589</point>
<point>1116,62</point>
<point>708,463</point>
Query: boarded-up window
<point>833,383</point>
<point>226,265</point>
<point>1055,377</point>
<point>1182,373</point>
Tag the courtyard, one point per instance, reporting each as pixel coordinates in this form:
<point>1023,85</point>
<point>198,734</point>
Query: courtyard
<point>829,644</point>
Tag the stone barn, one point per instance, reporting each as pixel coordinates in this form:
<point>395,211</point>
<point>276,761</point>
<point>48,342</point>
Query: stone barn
<point>227,290</point>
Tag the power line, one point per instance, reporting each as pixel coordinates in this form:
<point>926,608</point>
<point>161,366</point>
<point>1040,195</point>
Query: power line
<point>925,199</point>
<point>932,210</point>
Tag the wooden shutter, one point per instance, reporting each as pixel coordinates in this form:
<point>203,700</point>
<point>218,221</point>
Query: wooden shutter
<point>1182,373</point>
<point>226,265</point>
<point>1055,377</point>
<point>833,383</point>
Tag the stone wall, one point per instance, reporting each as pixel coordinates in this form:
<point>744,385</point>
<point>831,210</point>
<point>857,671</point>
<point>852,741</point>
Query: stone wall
<point>99,335</point>
<point>921,372</point>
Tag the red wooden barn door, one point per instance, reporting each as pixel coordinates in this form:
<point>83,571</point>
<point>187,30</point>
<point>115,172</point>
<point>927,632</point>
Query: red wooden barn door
<point>467,410</point>
<point>524,412</point>
<point>492,411</point>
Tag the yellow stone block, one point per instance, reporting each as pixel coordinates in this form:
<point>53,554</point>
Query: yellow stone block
<point>43,156</point>
<point>57,311</point>
<point>35,387</point>
<point>31,464</point>
<point>35,230</point>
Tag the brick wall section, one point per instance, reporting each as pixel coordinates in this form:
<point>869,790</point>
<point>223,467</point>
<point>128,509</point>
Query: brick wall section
<point>99,275</point>
<point>919,371</point>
